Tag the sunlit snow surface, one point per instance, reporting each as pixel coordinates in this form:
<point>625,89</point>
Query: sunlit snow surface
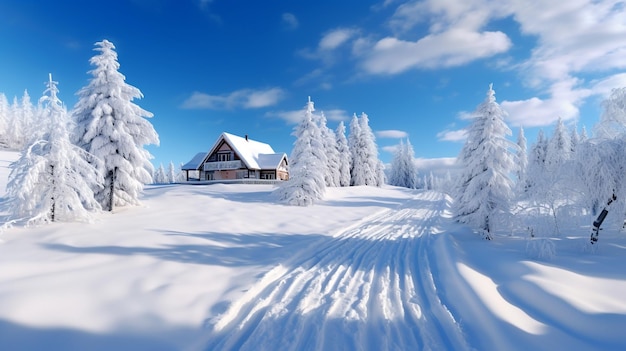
<point>225,267</point>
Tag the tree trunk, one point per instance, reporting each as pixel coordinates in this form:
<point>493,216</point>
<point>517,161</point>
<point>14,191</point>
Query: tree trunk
<point>112,174</point>
<point>53,207</point>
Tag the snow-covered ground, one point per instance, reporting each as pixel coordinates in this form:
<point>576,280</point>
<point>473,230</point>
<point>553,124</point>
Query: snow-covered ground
<point>225,267</point>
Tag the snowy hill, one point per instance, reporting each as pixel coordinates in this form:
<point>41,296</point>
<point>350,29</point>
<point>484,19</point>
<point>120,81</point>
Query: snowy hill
<point>224,267</point>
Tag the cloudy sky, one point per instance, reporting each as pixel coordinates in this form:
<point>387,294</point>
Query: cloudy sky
<point>417,68</point>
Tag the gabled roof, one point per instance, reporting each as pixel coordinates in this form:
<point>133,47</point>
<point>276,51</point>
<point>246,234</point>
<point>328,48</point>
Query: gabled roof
<point>271,161</point>
<point>255,154</point>
<point>195,162</point>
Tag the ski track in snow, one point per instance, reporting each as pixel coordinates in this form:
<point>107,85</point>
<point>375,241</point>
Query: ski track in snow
<point>369,287</point>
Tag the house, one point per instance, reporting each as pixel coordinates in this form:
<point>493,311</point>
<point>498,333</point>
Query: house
<point>234,157</point>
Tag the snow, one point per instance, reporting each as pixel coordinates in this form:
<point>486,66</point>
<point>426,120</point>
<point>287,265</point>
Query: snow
<point>227,267</point>
<point>250,151</point>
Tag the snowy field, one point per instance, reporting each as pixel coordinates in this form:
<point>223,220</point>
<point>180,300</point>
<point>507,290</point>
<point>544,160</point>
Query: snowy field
<point>224,267</point>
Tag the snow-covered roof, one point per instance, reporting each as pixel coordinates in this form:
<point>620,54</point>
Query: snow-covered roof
<point>195,162</point>
<point>255,154</point>
<point>270,161</point>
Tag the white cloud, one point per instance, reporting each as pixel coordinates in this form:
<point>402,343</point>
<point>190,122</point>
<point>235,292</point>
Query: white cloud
<point>295,116</point>
<point>336,115</point>
<point>570,41</point>
<point>290,20</point>
<point>244,98</point>
<point>392,134</point>
<point>604,86</point>
<point>291,117</point>
<point>263,98</point>
<point>451,48</point>
<point>390,148</point>
<point>329,44</point>
<point>565,98</point>
<point>335,38</point>
<point>573,37</point>
<point>452,135</point>
<point>439,166</point>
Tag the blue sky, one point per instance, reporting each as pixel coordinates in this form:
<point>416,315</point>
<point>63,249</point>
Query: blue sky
<point>417,68</point>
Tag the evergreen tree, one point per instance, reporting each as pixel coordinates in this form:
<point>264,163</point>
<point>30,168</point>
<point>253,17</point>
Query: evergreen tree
<point>354,143</point>
<point>574,139</point>
<point>113,128</point>
<point>4,121</point>
<point>331,174</point>
<point>171,173</point>
<point>345,158</point>
<point>583,135</point>
<point>306,182</point>
<point>537,163</point>
<point>484,189</point>
<point>369,153</point>
<point>522,158</point>
<point>403,171</point>
<point>53,180</point>
<point>613,120</point>
<point>366,167</point>
<point>159,175</point>
<point>559,148</point>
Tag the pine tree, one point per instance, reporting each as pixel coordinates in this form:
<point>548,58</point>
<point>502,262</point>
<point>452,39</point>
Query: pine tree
<point>159,175</point>
<point>366,167</point>
<point>484,189</point>
<point>53,180</point>
<point>583,135</point>
<point>306,183</point>
<point>369,153</point>
<point>356,160</point>
<point>171,173</point>
<point>345,158</point>
<point>331,174</point>
<point>113,128</point>
<point>403,171</point>
<point>537,163</point>
<point>4,121</point>
<point>613,120</point>
<point>574,139</point>
<point>522,158</point>
<point>559,148</point>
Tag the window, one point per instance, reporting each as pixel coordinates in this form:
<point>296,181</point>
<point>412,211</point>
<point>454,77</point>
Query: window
<point>268,175</point>
<point>223,156</point>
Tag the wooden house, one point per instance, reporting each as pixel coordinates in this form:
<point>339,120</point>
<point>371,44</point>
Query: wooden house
<point>233,157</point>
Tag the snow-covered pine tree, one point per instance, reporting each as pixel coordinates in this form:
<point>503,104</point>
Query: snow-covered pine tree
<point>113,128</point>
<point>522,159</point>
<point>53,180</point>
<point>23,129</point>
<point>484,189</point>
<point>4,121</point>
<point>345,158</point>
<point>583,135</point>
<point>331,176</point>
<point>613,120</point>
<point>356,162</point>
<point>159,175</point>
<point>536,163</point>
<point>171,173</point>
<point>369,153</point>
<point>574,139</point>
<point>403,171</point>
<point>394,177</point>
<point>559,148</point>
<point>306,183</point>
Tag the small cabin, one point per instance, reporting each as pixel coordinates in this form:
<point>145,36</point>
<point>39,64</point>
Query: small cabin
<point>233,157</point>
